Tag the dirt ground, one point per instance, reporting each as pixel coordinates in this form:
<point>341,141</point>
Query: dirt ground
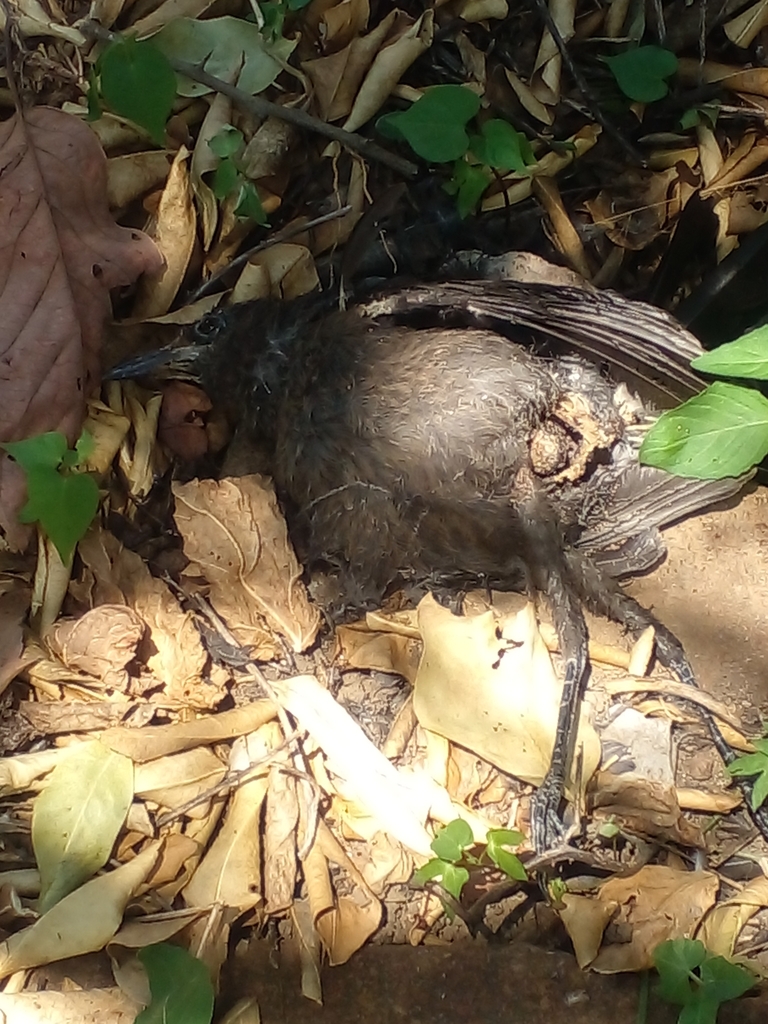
<point>713,592</point>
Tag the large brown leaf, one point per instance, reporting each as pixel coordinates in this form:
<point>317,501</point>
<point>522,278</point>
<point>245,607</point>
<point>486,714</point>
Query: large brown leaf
<point>60,254</point>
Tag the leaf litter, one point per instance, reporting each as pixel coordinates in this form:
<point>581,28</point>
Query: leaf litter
<point>330,789</point>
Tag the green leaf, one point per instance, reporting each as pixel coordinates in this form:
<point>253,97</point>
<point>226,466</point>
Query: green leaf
<point>500,146</point>
<point>701,1009</point>
<point>85,447</point>
<point>137,82</point>
<point>746,357</point>
<point>432,869</point>
<point>757,765</point>
<point>249,204</point>
<point>748,764</point>
<point>43,451</point>
<point>226,178</point>
<point>497,841</point>
<point>454,879</point>
<point>78,816</point>
<point>706,113</point>
<point>63,504</point>
<point>226,142</point>
<point>723,980</point>
<point>94,98</point>
<point>467,183</point>
<point>434,126</point>
<point>675,960</point>
<point>451,841</point>
<point>641,72</point>
<point>181,987</point>
<point>721,432</point>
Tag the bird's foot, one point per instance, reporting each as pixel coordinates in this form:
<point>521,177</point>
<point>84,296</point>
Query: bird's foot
<point>547,827</point>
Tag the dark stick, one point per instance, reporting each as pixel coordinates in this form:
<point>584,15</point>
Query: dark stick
<point>260,107</point>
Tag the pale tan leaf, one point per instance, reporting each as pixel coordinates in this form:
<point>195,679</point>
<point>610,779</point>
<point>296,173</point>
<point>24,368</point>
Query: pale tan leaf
<point>655,904</point>
<point>388,68</point>
<point>82,922</point>
<point>175,780</point>
<point>230,871</point>
<point>235,534</point>
<point>504,710</point>
<point>154,741</point>
<point>174,233</point>
<point>100,643</point>
<point>134,174</point>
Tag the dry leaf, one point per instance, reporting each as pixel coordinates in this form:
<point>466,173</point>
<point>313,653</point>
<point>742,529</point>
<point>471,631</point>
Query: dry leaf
<point>236,536</point>
<point>82,922</point>
<point>174,233</point>
<point>490,686</point>
<point>100,643</point>
<point>656,903</point>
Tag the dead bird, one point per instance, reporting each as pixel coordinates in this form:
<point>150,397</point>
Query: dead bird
<point>467,432</point>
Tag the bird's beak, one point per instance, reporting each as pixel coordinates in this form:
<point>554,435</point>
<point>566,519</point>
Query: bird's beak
<point>177,362</point>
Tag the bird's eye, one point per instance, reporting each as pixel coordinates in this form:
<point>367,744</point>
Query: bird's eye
<point>209,327</point>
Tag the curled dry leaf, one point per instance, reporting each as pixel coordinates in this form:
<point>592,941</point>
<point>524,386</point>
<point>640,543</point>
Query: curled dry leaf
<point>234,532</point>
<point>134,174</point>
<point>280,837</point>
<point>143,745</point>
<point>388,67</point>
<point>343,923</point>
<point>99,643</point>
<point>61,255</point>
<point>230,871</point>
<point>723,924</point>
<point>174,232</point>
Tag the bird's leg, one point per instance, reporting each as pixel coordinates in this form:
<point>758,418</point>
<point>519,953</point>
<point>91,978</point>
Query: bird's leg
<point>604,595</point>
<point>546,564</point>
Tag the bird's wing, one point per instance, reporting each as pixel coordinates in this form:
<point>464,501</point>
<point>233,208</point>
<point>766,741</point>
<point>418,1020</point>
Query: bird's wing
<point>640,343</point>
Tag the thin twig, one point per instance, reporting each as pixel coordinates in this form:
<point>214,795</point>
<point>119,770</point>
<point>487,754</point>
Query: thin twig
<point>288,232</point>
<point>581,84</point>
<point>260,107</point>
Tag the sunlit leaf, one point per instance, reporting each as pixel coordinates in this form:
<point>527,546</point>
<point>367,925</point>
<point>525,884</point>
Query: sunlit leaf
<point>721,432</point>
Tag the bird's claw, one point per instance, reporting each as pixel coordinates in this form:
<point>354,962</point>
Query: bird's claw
<point>547,827</point>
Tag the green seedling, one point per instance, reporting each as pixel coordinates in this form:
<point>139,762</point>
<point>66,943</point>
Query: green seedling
<point>691,977</point>
<point>62,500</point>
<point>453,846</point>
<point>229,178</point>
<point>754,764</point>
<point>437,129</point>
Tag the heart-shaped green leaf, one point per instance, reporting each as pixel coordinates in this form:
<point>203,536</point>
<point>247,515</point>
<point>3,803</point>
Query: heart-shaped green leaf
<point>434,126</point>
<point>641,73</point>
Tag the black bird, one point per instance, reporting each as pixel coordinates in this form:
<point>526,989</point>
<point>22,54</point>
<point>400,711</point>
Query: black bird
<point>466,431</point>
